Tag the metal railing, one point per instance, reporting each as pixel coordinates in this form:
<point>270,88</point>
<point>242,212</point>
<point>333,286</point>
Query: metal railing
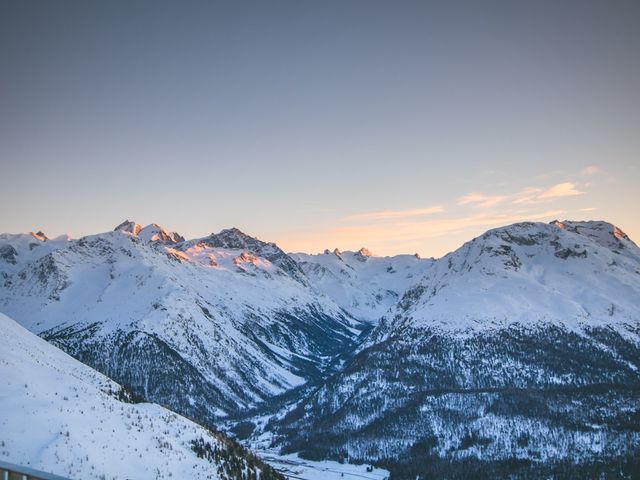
<point>10,471</point>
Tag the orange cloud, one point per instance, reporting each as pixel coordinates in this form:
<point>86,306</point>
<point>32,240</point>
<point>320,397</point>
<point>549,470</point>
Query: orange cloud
<point>525,196</point>
<point>395,231</point>
<point>414,230</point>
<point>566,189</point>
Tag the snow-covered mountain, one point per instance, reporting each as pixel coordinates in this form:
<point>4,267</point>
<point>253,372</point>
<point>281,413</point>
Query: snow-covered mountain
<point>207,327</point>
<point>18,250</point>
<point>60,416</point>
<point>363,284</point>
<point>519,350</point>
<point>573,274</point>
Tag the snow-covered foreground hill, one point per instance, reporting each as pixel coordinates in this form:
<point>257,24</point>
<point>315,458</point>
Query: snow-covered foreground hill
<point>60,416</point>
<point>207,327</point>
<point>520,350</point>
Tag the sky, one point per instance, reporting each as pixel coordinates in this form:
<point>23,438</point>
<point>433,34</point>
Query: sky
<point>401,126</point>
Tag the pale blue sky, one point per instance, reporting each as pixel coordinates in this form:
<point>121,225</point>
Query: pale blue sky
<point>300,122</point>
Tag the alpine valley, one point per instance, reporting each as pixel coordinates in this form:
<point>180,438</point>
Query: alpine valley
<point>517,355</point>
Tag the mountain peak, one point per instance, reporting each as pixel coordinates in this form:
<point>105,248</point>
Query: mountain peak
<point>39,235</point>
<point>232,232</point>
<point>150,233</point>
<point>364,252</point>
<point>155,233</point>
<point>128,226</point>
<point>603,233</point>
<point>235,239</point>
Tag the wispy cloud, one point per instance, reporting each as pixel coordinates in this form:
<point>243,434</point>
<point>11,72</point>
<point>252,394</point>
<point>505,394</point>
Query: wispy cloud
<point>529,195</point>
<point>482,201</point>
<point>394,214</point>
<point>415,230</point>
<point>443,228</point>
<point>594,173</point>
<point>590,171</point>
<point>389,238</point>
<point>566,189</point>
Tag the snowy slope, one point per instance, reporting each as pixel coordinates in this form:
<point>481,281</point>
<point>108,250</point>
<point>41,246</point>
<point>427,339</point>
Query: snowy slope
<point>572,274</point>
<point>62,417</point>
<point>520,348</point>
<point>229,320</point>
<point>18,250</point>
<point>363,284</point>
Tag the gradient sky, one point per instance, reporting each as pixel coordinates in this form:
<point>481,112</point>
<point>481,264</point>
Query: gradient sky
<point>403,126</point>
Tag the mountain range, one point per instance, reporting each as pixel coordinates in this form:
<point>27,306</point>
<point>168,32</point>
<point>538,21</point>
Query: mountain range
<point>516,354</point>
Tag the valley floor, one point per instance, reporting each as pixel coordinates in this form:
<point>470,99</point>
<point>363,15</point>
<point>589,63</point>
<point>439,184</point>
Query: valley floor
<point>296,468</point>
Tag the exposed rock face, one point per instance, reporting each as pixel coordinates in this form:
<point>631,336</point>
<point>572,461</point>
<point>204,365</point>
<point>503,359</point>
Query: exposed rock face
<point>128,226</point>
<point>8,254</point>
<point>234,239</point>
<point>150,233</point>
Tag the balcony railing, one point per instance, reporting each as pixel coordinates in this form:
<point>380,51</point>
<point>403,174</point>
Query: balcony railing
<point>9,471</point>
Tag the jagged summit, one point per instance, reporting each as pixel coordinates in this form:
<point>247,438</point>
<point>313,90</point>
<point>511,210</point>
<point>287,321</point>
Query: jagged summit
<point>236,239</point>
<point>39,235</point>
<point>603,233</point>
<point>363,254</point>
<point>129,227</point>
<point>335,252</point>
<point>150,233</point>
<point>155,233</point>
